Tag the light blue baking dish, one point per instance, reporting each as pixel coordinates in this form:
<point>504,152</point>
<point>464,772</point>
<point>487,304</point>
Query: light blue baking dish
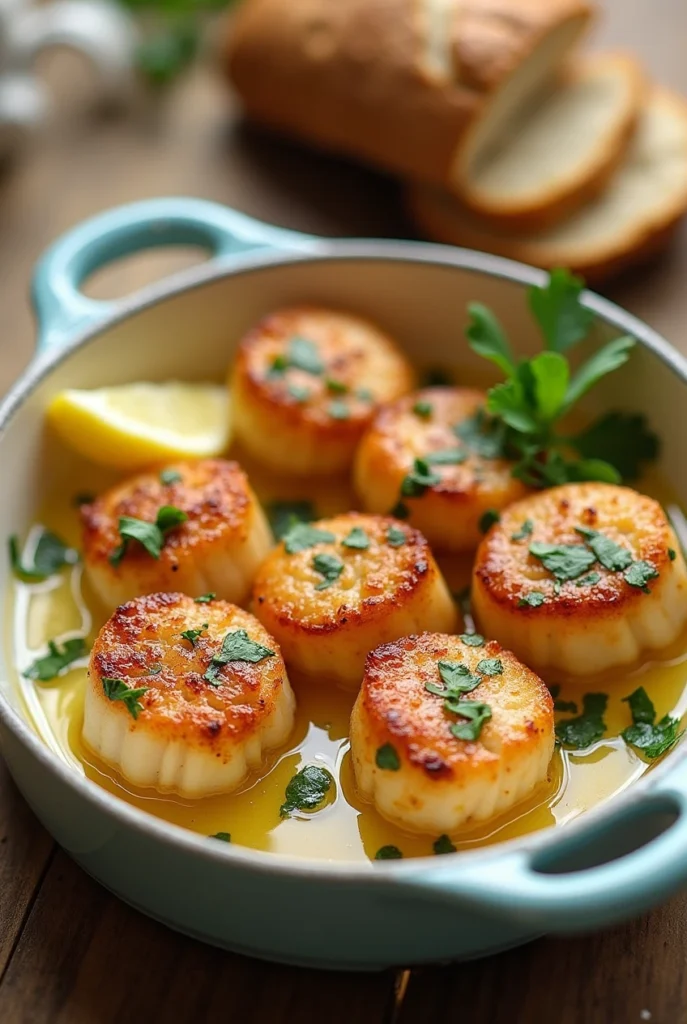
<point>612,863</point>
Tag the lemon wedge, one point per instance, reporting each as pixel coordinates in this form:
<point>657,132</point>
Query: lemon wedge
<point>134,425</point>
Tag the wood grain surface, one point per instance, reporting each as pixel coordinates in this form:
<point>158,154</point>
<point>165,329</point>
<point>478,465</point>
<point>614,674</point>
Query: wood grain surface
<point>69,951</point>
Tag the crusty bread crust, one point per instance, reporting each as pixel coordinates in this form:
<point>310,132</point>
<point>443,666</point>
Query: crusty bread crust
<point>632,241</point>
<point>394,82</point>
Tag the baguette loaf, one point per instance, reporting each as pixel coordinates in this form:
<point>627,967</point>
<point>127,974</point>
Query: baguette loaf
<point>630,221</point>
<point>559,154</point>
<point>397,82</point>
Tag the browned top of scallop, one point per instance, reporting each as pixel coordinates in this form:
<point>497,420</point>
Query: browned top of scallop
<point>508,572</point>
<point>394,563</point>
<point>397,707</point>
<point>321,366</point>
<point>141,644</point>
<point>214,494</point>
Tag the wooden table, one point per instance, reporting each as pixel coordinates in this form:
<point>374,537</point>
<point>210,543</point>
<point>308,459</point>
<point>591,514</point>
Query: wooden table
<point>70,952</point>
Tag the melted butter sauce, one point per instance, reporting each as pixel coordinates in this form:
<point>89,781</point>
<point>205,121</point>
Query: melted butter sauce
<point>346,828</point>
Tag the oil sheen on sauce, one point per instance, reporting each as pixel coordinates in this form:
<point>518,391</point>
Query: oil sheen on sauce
<point>346,828</point>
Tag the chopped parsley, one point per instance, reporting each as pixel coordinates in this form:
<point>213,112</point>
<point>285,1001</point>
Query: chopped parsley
<point>116,689</point>
<point>639,574</point>
<point>590,580</point>
<point>611,555</point>
<point>388,853</point>
<point>524,531</point>
<point>400,511</point>
<point>364,395</point>
<point>446,457</point>
<point>646,734</point>
<point>490,667</point>
<point>423,409</point>
<point>285,514</point>
<point>477,715</point>
<point>564,561</point>
<point>488,519</point>
<point>534,599</point>
<point>328,566</point>
<point>387,759</point>
<point>236,646</point>
<point>192,634</point>
<point>338,410</point>
<point>579,733</point>
<point>306,790</point>
<point>472,639</point>
<point>298,392</point>
<point>357,539</point>
<point>302,536</point>
<point>52,664</point>
<point>336,387</point>
<point>457,679</point>
<point>225,837</point>
<point>155,669</point>
<point>418,480</point>
<point>150,535</point>
<point>49,556</point>
<point>170,476</point>
<point>302,354</point>
<point>482,435</point>
<point>569,706</point>
<point>396,537</point>
<point>443,845</point>
<point>205,598</point>
<point>672,554</point>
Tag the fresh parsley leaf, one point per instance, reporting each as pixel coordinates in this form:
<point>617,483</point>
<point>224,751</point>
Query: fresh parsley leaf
<point>457,679</point>
<point>205,598</point>
<point>236,646</point>
<point>302,536</point>
<point>445,457</point>
<point>524,531</point>
<point>482,435</point>
<point>443,845</point>
<point>50,555</point>
<point>564,561</point>
<point>622,439</point>
<point>150,535</point>
<point>608,359</point>
<point>169,517</point>
<point>387,758</point>
<point>400,511</point>
<point>551,375</point>
<point>489,519</point>
<point>477,715</point>
<point>306,790</point>
<point>423,409</point>
<point>285,514</point>
<point>611,555</point>
<point>155,670</point>
<point>388,853</point>
<point>298,392</point>
<point>279,366</point>
<point>651,737</point>
<point>554,689</point>
<point>51,664</point>
<point>639,574</point>
<point>490,666</point>
<point>556,307</point>
<point>357,539</point>
<point>672,554</point>
<point>487,338</point>
<point>396,537</point>
<point>302,354</point>
<point>565,705</point>
<point>116,689</point>
<point>472,639</point>
<point>328,566</point>
<point>535,599</point>
<point>418,480</point>
<point>336,387</point>
<point>225,837</point>
<point>192,634</point>
<point>169,477</point>
<point>338,410</point>
<point>508,402</point>
<point>579,733</point>
<point>588,581</point>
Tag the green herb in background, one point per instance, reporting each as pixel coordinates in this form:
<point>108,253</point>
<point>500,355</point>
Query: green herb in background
<point>171,31</point>
<point>50,555</point>
<point>51,664</point>
<point>285,514</point>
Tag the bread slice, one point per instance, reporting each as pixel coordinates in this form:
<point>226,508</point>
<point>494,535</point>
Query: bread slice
<point>396,82</point>
<point>539,167</point>
<point>631,220</point>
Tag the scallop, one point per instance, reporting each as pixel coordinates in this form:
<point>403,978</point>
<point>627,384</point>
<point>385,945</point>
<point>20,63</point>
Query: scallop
<point>430,457</point>
<point>214,539</point>
<point>448,731</point>
<point>581,578</point>
<point>306,383</point>
<point>186,697</point>
<point>334,589</point>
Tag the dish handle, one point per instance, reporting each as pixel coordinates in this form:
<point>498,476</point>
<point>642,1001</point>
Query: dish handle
<point>61,307</point>
<point>616,867</point>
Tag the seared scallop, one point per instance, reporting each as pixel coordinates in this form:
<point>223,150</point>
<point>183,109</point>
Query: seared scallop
<point>429,456</point>
<point>212,533</point>
<point>448,731</point>
<point>185,697</point>
<point>581,578</point>
<point>334,589</point>
<point>306,383</point>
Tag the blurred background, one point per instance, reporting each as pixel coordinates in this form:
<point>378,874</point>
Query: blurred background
<point>125,100</point>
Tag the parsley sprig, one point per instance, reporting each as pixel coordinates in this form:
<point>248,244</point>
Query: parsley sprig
<point>646,734</point>
<point>523,411</point>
